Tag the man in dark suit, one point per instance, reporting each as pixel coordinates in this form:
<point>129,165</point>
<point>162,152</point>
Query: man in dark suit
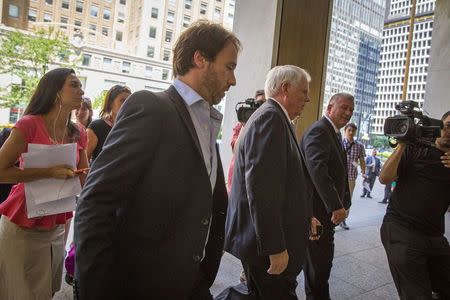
<point>150,220</point>
<point>269,210</point>
<point>326,163</point>
<point>373,167</point>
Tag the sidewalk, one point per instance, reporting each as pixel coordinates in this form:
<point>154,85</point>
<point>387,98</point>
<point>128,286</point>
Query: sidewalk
<point>360,268</point>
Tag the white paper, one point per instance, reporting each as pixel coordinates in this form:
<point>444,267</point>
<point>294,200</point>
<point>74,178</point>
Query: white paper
<point>50,208</point>
<point>50,196</point>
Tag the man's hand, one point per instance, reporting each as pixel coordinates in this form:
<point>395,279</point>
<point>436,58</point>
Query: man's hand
<point>314,233</point>
<point>338,216</point>
<point>364,175</point>
<point>278,263</point>
<point>445,159</point>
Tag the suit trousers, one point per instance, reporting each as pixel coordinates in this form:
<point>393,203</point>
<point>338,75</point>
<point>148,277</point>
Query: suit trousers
<point>371,179</point>
<point>264,286</point>
<point>317,269</point>
<point>419,263</point>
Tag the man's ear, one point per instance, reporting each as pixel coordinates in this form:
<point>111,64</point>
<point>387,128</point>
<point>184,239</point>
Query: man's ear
<point>199,60</point>
<point>285,88</point>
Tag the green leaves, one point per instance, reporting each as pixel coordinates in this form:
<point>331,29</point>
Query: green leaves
<point>27,57</point>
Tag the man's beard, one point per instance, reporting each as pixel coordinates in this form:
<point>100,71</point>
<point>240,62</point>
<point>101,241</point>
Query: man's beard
<point>211,84</point>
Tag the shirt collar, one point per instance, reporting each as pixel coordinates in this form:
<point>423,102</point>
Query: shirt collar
<point>334,126</point>
<point>186,92</point>
<point>284,110</point>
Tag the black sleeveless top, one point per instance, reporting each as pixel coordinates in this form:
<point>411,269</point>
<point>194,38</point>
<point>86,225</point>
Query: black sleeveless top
<point>101,130</point>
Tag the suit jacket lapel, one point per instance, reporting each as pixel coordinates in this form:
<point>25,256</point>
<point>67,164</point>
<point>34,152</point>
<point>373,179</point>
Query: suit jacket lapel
<point>180,105</point>
<point>336,140</point>
<point>289,125</point>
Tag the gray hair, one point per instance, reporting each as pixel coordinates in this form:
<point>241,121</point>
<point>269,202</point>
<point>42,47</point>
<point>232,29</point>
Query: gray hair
<point>280,75</point>
<point>337,96</point>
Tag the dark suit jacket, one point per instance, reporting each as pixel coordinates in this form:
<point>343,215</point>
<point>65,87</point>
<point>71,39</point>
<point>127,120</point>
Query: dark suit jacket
<point>269,207</point>
<point>326,163</point>
<point>142,220</point>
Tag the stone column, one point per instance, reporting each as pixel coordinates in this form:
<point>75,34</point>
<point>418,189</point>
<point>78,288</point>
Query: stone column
<point>437,92</point>
<point>278,32</point>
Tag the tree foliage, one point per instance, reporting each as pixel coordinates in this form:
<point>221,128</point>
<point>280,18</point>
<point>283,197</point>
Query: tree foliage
<point>379,142</point>
<point>27,57</point>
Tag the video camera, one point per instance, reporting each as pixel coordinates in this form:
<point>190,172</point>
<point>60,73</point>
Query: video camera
<point>411,126</point>
<point>245,109</point>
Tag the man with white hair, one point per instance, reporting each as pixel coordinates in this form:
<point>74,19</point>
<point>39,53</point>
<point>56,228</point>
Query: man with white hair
<point>269,210</point>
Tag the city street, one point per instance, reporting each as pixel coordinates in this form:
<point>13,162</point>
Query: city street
<point>360,268</point>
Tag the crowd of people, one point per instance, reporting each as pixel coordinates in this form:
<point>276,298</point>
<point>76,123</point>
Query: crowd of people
<point>154,215</point>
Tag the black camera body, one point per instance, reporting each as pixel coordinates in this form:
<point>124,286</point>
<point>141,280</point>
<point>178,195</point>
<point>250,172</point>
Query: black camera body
<point>411,126</point>
<point>245,109</point>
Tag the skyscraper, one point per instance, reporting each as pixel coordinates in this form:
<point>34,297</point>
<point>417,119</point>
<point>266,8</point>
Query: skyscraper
<point>353,57</point>
<point>393,58</point>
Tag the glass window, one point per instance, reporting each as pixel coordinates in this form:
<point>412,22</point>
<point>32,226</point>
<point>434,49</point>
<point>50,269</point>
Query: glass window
<point>106,14</point>
<point>186,21</point>
<point>105,31</point>
<point>49,2</point>
<point>152,32</point>
<point>79,6</point>
<point>187,4</point>
<point>121,17</point>
<point>86,59</point>
<point>32,13</point>
<point>65,4</point>
<point>169,35</point>
<point>170,16</point>
<point>107,61</point>
<point>94,11</point>
<point>92,29</point>
<point>148,71</point>
<point>119,36</point>
<point>165,74</point>
<point>166,55</point>
<point>203,8</point>
<point>151,51</point>
<point>64,20</point>
<point>217,12</point>
<point>13,11</point>
<point>47,17</point>
<point>126,67</point>
<point>154,13</point>
<point>123,2</point>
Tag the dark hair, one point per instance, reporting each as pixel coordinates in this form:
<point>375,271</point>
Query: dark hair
<point>45,95</point>
<point>110,96</point>
<point>204,36</point>
<point>88,105</point>
<point>352,125</point>
<point>445,115</point>
<point>259,93</point>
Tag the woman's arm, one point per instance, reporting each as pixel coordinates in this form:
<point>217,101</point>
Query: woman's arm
<point>92,143</point>
<point>10,152</point>
<point>83,164</point>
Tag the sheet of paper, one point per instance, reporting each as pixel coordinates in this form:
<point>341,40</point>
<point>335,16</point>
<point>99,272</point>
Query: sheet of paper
<point>50,208</point>
<point>51,189</point>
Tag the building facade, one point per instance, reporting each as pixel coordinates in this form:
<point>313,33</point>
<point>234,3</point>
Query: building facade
<point>353,55</point>
<point>120,41</point>
<point>393,58</point>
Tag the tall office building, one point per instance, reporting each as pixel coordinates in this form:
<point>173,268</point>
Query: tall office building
<point>353,57</point>
<point>393,58</point>
<point>126,42</point>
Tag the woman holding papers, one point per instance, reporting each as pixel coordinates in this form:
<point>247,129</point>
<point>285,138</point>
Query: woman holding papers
<point>32,249</point>
<point>99,129</point>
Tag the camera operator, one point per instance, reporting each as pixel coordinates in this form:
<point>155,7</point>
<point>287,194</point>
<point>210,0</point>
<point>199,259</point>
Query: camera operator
<point>413,227</point>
